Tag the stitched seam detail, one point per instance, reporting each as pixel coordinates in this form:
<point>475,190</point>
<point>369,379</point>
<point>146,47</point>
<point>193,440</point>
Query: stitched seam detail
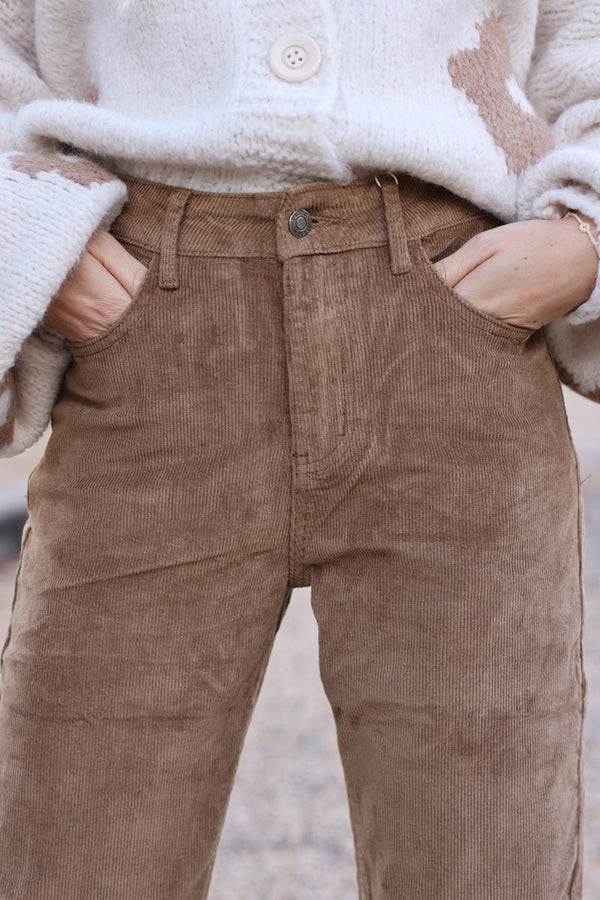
<point>475,317</point>
<point>359,245</point>
<point>439,229</point>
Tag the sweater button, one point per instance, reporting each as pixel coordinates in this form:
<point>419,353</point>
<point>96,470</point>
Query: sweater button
<point>294,57</point>
<point>300,223</point>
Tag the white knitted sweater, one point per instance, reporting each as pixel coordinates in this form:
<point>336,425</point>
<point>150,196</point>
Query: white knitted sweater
<point>497,101</point>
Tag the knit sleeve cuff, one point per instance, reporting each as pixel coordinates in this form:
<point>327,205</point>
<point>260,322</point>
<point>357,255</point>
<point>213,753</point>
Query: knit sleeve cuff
<point>565,177</point>
<point>50,205</point>
<point>29,390</point>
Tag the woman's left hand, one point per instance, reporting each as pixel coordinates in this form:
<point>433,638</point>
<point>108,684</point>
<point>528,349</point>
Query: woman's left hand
<point>526,273</point>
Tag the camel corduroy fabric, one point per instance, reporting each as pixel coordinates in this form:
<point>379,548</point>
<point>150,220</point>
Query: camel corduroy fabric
<point>275,411</point>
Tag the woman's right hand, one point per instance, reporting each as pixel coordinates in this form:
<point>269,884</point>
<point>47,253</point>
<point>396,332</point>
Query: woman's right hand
<point>97,289</point>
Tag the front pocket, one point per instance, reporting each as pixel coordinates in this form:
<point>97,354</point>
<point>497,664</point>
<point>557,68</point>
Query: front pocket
<point>445,241</point>
<point>125,321</point>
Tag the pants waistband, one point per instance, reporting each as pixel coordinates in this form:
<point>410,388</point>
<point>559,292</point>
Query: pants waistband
<point>390,208</point>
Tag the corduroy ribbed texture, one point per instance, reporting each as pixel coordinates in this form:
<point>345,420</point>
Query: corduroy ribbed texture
<point>295,413</point>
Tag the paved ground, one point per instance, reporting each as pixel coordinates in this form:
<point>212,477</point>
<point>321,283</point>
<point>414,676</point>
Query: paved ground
<point>287,835</point>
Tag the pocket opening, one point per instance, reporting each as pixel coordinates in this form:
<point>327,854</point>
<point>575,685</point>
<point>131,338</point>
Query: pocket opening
<point>445,241</point>
<point>122,324</point>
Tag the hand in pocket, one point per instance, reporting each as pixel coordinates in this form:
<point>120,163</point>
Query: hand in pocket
<point>524,273</point>
<point>97,290</point>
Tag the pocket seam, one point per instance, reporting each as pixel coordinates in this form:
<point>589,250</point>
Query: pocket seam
<point>517,334</point>
<point>449,226</point>
<point>121,326</point>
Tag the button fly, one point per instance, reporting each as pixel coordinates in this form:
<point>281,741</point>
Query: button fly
<point>295,57</point>
<point>300,223</point>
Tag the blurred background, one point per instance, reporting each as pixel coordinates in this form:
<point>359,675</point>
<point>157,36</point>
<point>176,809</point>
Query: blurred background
<point>287,834</point>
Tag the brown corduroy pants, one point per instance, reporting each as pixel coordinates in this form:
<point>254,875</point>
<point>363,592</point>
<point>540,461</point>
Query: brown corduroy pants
<point>273,411</point>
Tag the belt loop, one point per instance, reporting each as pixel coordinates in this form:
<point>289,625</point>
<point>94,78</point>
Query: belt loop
<point>168,272</point>
<point>400,260</point>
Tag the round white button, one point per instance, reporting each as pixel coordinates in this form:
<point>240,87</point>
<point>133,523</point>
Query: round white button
<point>294,57</point>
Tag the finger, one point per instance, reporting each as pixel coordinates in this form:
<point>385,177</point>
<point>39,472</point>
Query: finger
<point>459,264</point>
<point>493,289</point>
<point>128,271</point>
<point>90,280</point>
<point>90,297</point>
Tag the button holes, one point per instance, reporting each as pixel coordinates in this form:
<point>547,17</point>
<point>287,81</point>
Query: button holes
<point>294,56</point>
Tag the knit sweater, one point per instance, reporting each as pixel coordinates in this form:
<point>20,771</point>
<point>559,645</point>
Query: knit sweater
<point>497,101</point>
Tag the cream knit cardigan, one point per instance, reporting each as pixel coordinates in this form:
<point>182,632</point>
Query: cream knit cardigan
<point>497,101</point>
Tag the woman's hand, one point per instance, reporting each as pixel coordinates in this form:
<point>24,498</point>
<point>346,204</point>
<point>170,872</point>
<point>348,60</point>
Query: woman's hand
<point>526,273</point>
<point>96,290</point>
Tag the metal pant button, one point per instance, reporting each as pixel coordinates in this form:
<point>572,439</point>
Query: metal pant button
<point>300,222</point>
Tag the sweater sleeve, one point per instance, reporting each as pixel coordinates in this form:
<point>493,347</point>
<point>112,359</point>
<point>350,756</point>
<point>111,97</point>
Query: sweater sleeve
<point>563,84</point>
<point>50,204</point>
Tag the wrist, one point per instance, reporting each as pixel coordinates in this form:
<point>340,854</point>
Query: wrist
<point>587,226</point>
